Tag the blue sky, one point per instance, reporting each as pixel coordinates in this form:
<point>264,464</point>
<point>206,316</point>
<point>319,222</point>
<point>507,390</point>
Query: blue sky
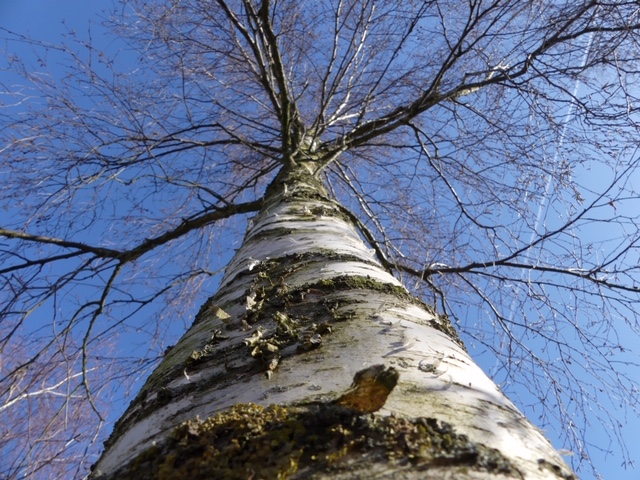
<point>49,20</point>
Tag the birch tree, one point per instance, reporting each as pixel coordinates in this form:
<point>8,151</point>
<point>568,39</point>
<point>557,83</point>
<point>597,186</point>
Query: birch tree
<point>388,165</point>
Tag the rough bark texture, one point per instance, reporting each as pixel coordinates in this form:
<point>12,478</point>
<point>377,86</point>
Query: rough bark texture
<point>258,387</point>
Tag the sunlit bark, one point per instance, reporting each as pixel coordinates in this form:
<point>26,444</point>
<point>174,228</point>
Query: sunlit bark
<point>303,306</point>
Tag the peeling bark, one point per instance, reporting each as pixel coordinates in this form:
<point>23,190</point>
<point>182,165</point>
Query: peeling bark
<point>258,386</point>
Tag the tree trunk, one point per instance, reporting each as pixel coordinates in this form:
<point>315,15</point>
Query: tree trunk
<point>264,384</point>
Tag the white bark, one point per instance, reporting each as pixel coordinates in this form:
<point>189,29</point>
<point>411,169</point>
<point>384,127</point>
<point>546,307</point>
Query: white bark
<point>438,379</point>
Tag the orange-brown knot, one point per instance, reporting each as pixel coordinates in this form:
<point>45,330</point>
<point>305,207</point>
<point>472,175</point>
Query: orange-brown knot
<point>370,389</point>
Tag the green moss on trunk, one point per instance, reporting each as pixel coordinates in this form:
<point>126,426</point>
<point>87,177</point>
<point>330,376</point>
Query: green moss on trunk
<point>307,441</point>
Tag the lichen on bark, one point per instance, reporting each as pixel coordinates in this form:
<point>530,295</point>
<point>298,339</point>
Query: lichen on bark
<point>322,440</point>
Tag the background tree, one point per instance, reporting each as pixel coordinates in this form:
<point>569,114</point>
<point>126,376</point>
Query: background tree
<point>448,130</point>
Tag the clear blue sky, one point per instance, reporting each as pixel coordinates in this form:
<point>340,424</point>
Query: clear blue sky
<point>43,20</point>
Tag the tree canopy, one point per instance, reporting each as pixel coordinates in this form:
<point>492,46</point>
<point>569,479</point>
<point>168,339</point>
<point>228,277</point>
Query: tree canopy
<point>487,149</point>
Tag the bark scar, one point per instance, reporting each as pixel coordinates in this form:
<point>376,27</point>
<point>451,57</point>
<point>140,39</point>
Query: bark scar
<point>370,389</point>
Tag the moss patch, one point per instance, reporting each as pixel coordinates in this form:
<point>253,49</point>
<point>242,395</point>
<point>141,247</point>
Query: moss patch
<point>251,441</point>
<point>352,282</point>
